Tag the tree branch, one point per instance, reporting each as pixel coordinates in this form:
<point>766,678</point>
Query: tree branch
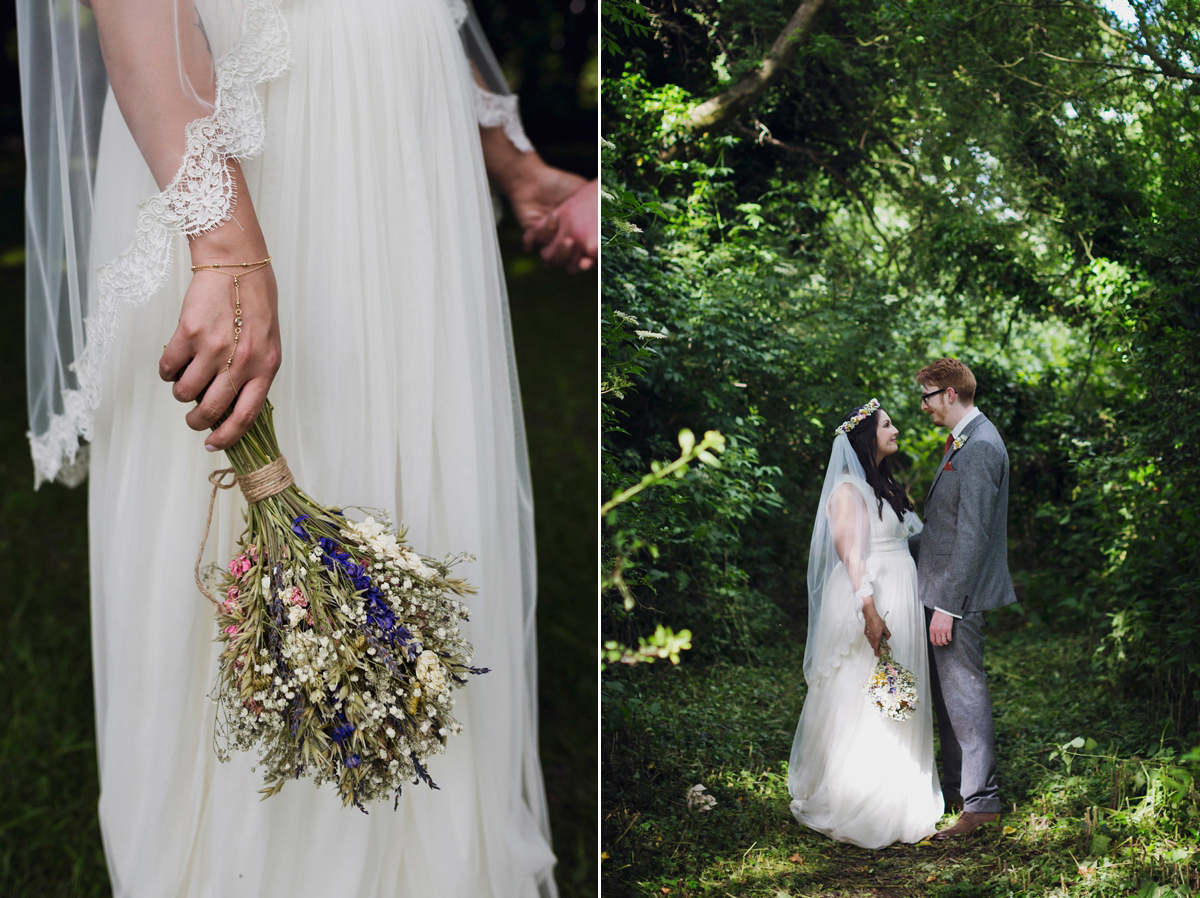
<point>728,104</point>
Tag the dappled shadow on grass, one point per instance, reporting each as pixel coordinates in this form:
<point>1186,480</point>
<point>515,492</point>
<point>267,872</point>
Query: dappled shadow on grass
<point>1071,825</point>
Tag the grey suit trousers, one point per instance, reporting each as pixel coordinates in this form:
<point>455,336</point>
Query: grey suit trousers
<point>964,716</point>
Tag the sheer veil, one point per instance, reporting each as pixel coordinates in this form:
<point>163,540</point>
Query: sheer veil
<point>63,91</point>
<point>838,561</point>
<point>841,569</point>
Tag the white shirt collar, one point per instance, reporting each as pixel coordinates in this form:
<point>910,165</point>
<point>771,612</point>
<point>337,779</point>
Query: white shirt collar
<point>966,419</point>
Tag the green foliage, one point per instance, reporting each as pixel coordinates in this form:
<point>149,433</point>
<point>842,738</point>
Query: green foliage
<point>1011,184</point>
<point>621,19</point>
<point>676,550</point>
<point>664,643</point>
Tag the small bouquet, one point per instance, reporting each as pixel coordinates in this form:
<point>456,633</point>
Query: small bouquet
<point>891,688</point>
<point>341,645</point>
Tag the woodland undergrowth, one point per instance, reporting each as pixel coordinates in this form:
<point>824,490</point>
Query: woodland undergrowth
<point>1099,800</point>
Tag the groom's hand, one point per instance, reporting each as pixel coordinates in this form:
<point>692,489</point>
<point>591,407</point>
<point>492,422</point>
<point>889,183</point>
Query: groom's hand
<point>941,628</point>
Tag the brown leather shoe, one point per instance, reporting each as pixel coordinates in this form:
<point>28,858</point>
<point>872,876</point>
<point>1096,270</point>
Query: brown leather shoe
<point>966,824</point>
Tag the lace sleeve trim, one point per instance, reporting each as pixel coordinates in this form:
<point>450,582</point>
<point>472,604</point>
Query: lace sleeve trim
<point>495,111</point>
<point>199,198</point>
<point>870,570</point>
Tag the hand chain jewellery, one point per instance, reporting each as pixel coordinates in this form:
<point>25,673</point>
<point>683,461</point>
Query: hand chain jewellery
<point>246,268</point>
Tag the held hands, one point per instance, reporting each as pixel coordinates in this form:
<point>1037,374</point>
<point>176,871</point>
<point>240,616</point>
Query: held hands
<point>875,628</point>
<point>569,236</point>
<point>941,628</point>
<point>557,210</point>
<point>196,356</point>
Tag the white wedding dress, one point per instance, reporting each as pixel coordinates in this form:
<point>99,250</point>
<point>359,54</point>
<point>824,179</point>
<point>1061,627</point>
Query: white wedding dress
<point>854,774</point>
<point>397,391</point>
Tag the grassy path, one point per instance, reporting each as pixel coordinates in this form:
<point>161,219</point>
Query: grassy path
<point>1113,814</point>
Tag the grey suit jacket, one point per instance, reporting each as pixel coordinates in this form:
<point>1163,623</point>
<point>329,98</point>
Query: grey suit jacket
<point>962,563</point>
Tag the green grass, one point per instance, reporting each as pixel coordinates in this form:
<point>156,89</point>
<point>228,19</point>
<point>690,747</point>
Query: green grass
<point>49,836</point>
<point>1116,815</point>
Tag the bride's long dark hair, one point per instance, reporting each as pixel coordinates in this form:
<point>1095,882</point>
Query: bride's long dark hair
<point>878,470</point>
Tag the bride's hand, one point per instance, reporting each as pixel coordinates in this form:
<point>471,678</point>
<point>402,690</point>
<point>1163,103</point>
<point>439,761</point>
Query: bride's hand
<point>196,356</point>
<point>875,629</point>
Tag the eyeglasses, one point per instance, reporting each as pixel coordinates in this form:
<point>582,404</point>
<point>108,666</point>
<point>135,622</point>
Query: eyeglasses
<point>925,397</point>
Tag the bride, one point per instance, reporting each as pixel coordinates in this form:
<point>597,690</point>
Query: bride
<point>854,774</point>
<point>350,143</point>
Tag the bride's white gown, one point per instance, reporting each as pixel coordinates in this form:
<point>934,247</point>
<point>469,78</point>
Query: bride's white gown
<point>397,392</point>
<point>855,775</point>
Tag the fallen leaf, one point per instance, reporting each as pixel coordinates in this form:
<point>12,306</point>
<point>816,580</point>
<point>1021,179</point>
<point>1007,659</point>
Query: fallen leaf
<point>1087,871</point>
<point>1008,830</point>
<point>666,890</point>
<point>796,859</point>
<point>931,877</point>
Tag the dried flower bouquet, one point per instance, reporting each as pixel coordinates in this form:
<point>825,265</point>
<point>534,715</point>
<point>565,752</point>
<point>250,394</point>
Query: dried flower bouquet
<point>341,645</point>
<point>891,688</point>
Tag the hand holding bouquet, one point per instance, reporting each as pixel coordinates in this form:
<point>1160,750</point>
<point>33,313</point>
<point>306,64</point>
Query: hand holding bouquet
<point>341,645</point>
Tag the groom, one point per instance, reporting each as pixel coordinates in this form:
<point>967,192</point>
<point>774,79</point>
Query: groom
<point>962,571</point>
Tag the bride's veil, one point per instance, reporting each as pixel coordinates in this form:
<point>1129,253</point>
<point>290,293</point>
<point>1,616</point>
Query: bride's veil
<point>838,563</point>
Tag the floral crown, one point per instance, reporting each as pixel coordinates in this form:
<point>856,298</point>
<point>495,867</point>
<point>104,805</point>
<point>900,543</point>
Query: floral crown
<point>859,416</point>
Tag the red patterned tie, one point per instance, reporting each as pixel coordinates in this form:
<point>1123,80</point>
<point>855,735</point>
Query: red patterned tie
<point>949,443</point>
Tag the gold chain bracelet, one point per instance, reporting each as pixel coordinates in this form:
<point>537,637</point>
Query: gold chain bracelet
<point>246,268</point>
